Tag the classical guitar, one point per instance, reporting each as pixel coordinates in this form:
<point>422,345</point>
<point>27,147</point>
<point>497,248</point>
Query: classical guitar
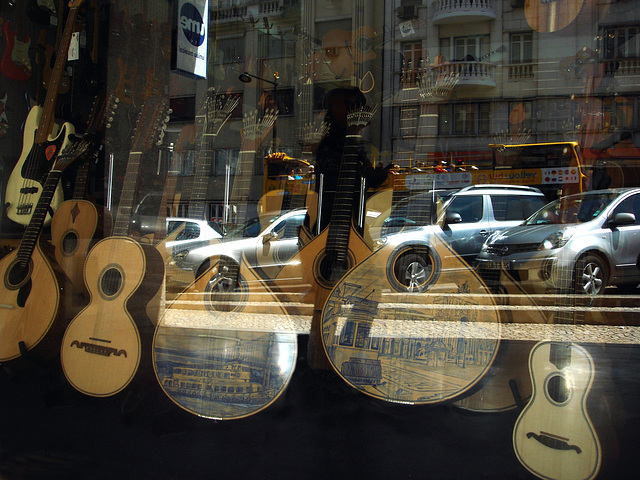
<point>77,222</point>
<point>35,298</point>
<point>227,353</point>
<point>101,348</point>
<point>554,437</point>
<point>43,139</point>
<point>547,16</point>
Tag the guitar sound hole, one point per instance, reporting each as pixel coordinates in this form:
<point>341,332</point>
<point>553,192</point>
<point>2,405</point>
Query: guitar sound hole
<point>558,389</point>
<point>17,275</point>
<point>111,282</point>
<point>329,269</point>
<point>69,243</point>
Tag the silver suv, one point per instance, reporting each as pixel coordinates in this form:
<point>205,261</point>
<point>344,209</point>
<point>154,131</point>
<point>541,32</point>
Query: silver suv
<point>467,218</point>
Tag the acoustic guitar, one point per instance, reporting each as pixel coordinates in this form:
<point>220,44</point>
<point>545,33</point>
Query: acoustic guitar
<point>554,437</point>
<point>227,353</point>
<point>101,349</point>
<point>77,223</point>
<point>42,140</point>
<point>35,298</point>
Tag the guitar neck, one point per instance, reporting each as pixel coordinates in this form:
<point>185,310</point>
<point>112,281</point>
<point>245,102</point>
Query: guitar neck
<point>46,120</point>
<point>342,215</point>
<point>125,207</point>
<point>32,232</point>
<point>204,147</point>
<point>242,183</point>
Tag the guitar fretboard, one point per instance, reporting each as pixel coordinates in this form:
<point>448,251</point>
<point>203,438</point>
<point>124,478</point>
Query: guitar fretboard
<point>32,232</point>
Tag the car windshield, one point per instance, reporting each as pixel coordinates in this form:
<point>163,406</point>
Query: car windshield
<point>573,209</point>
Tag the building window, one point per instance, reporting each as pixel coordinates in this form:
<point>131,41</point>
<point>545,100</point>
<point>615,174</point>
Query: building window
<point>621,42</point>
<point>411,55</point>
<point>222,158</point>
<point>464,49</point>
<point>521,47</point>
<point>465,119</point>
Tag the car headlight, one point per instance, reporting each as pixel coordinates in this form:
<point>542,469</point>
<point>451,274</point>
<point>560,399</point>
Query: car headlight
<point>490,240</point>
<point>181,256</point>
<point>557,239</point>
<point>379,243</point>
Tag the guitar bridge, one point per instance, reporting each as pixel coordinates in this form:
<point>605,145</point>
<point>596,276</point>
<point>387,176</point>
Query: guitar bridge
<point>24,208</point>
<point>98,349</point>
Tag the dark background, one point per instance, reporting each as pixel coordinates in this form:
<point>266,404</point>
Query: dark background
<point>319,428</point>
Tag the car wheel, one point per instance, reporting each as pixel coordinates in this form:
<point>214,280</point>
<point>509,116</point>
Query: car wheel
<point>414,271</point>
<point>591,275</point>
<point>226,292</point>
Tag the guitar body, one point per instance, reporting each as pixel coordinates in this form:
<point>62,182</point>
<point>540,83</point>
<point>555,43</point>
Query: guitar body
<point>219,352</point>
<point>15,63</point>
<point>101,349</point>
<point>425,346</point>
<point>73,232</point>
<point>30,306</point>
<point>548,16</point>
<point>24,186</point>
<point>553,436</point>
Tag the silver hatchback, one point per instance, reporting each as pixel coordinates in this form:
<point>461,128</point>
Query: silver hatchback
<point>587,241</point>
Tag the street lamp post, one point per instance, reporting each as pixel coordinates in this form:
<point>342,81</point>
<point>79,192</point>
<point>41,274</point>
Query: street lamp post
<point>246,78</point>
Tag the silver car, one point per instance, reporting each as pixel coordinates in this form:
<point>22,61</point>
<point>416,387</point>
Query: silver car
<point>467,218</point>
<point>585,241</point>
<point>276,243</point>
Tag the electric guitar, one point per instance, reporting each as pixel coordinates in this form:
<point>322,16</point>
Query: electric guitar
<point>102,347</point>
<point>554,437</point>
<point>15,63</point>
<point>42,141</point>
<point>35,298</point>
<point>223,350</point>
<point>77,223</point>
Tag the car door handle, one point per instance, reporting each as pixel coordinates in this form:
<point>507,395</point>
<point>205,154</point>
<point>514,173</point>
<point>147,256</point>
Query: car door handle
<point>484,233</point>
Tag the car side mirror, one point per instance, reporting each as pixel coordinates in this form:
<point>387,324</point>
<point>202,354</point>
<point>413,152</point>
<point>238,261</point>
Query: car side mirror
<point>621,219</point>
<point>268,237</point>
<point>453,217</point>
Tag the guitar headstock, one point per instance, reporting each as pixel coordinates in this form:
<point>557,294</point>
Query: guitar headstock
<point>151,124</point>
<point>102,112</point>
<point>71,153</point>
<point>218,108</point>
<point>360,116</point>
<point>254,129</point>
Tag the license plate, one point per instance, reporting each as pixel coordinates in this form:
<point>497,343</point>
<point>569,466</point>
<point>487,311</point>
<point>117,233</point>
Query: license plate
<point>499,265</point>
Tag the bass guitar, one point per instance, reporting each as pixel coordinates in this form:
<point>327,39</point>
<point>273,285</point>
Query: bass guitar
<point>77,222</point>
<point>101,348</point>
<point>227,353</point>
<point>33,285</point>
<point>554,437</point>
<point>43,139</point>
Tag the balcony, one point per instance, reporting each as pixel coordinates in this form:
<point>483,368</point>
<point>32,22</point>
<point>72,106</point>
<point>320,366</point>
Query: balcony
<point>461,11</point>
<point>475,74</point>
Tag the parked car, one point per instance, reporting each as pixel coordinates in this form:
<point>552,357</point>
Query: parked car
<point>465,221</point>
<point>587,241</point>
<point>194,234</point>
<point>275,244</point>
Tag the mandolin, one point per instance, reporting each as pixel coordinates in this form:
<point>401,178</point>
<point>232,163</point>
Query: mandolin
<point>102,346</point>
<point>224,348</point>
<point>42,140</point>
<point>33,285</point>
<point>554,437</point>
